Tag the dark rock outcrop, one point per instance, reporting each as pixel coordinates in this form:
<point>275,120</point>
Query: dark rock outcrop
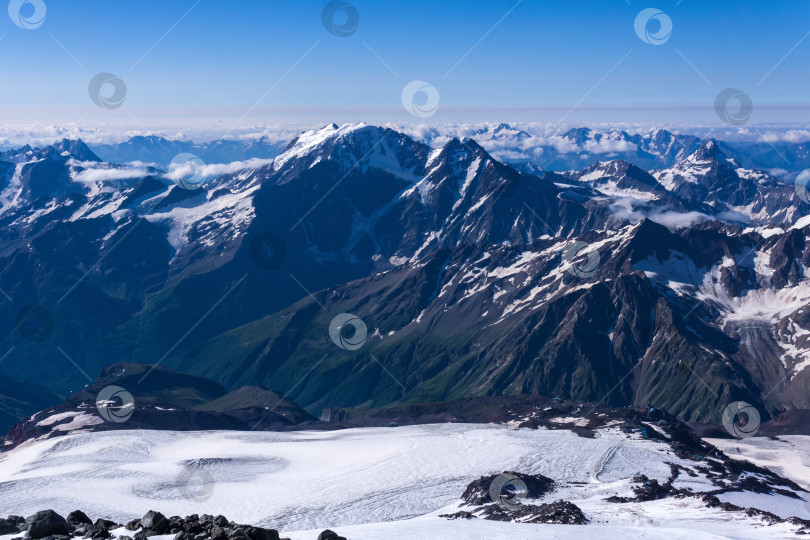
<point>330,535</point>
<point>46,523</point>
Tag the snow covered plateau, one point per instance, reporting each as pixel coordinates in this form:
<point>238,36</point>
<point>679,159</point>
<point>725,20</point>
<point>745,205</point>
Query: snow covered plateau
<point>372,483</point>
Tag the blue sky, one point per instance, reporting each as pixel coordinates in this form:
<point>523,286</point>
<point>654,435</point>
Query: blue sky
<point>540,61</point>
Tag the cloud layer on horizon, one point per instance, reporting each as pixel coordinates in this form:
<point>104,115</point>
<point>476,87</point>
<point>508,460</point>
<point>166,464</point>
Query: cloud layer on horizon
<point>16,135</point>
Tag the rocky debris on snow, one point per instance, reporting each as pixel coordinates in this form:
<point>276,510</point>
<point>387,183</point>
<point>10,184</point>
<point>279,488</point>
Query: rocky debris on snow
<point>478,491</point>
<point>728,476</point>
<point>769,518</point>
<point>479,495</point>
<point>559,512</point>
<point>49,525</point>
<point>330,535</point>
<point>11,525</point>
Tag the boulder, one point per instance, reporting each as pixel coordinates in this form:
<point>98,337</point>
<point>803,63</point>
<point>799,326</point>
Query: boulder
<point>258,533</point>
<point>98,533</point>
<point>237,534</point>
<point>330,535</point>
<point>77,517</point>
<point>104,524</point>
<point>46,523</point>
<point>193,527</point>
<point>8,527</point>
<point>154,522</point>
<point>218,533</point>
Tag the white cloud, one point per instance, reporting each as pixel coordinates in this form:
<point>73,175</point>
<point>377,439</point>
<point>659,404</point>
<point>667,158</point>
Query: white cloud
<point>790,136</point>
<point>93,172</point>
<point>678,220</point>
<point>109,174</point>
<point>179,171</point>
<point>634,211</point>
<point>607,146</point>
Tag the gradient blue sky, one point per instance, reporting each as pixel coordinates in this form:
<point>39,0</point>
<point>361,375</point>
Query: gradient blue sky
<point>535,65</point>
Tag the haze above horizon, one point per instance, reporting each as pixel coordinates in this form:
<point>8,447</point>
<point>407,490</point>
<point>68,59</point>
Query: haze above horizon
<point>245,62</point>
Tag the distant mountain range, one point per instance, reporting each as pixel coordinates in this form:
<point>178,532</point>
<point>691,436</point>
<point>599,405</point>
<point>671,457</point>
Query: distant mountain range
<point>682,286</point>
<point>575,149</point>
<point>580,147</point>
<point>161,151</point>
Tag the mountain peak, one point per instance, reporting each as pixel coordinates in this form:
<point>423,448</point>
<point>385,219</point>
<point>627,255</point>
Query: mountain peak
<point>77,149</point>
<point>710,151</point>
<point>71,148</point>
<point>502,130</point>
<point>348,145</point>
<point>578,135</point>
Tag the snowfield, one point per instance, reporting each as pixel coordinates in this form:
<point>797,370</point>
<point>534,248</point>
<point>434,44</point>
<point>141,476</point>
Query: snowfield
<point>367,483</point>
<point>787,455</point>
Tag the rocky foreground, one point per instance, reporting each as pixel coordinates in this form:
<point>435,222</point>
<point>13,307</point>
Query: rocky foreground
<point>49,525</point>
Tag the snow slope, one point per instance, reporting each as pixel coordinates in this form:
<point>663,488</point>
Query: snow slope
<point>787,455</point>
<point>364,483</point>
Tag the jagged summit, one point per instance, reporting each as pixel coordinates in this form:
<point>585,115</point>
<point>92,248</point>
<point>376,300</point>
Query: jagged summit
<point>67,148</point>
<point>710,150</point>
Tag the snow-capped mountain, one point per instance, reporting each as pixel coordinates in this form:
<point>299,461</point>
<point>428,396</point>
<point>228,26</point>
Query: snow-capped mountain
<point>710,175</point>
<point>607,283</point>
<point>580,147</point>
<point>161,151</point>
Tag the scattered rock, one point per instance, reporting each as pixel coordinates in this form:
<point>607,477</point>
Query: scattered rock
<point>46,523</point>
<point>218,533</point>
<point>477,492</point>
<point>520,509</point>
<point>458,515</point>
<point>82,529</point>
<point>8,527</point>
<point>559,512</point>
<point>77,517</point>
<point>154,523</point>
<point>237,534</point>
<point>330,535</point>
<point>105,524</point>
<point>98,534</point>
<point>258,533</point>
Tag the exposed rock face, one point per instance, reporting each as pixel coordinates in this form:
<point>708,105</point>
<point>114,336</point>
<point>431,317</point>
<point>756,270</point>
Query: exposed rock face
<point>517,495</point>
<point>559,512</point>
<point>170,401</point>
<point>478,492</point>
